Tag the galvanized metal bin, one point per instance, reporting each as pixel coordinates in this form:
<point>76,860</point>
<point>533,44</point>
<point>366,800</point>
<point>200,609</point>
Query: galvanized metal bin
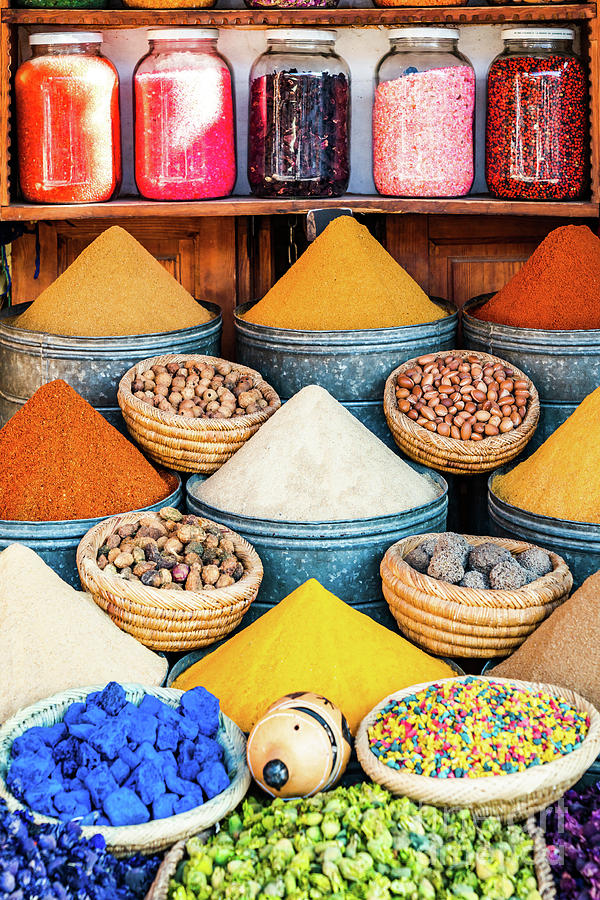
<point>93,366</point>
<point>57,542</point>
<point>351,365</point>
<point>343,556</point>
<point>563,365</point>
<point>577,542</point>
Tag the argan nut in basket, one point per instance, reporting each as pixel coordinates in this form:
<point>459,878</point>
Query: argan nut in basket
<point>192,413</point>
<point>460,411</point>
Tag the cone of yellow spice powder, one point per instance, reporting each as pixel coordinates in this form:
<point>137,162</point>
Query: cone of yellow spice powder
<point>113,287</point>
<point>311,641</point>
<point>562,478</point>
<point>345,280</point>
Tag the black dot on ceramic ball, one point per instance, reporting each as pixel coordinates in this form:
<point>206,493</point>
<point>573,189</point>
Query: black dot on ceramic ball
<point>296,728</point>
<point>275,774</point>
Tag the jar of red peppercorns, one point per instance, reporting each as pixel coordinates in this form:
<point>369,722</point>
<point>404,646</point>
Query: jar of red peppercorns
<point>184,117</point>
<point>68,127</point>
<point>536,131</point>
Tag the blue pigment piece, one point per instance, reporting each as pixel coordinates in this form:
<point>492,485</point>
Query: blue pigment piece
<point>123,807</point>
<point>73,713</point>
<point>213,779</point>
<point>82,730</point>
<point>178,785</point>
<point>109,738</point>
<point>93,715</point>
<point>142,728</point>
<point>151,705</point>
<point>186,803</point>
<point>87,756</point>
<point>165,759</point>
<point>149,781</point>
<point>127,755</point>
<point>145,751</point>
<point>26,744</point>
<point>53,734</point>
<point>119,770</point>
<point>203,707</point>
<point>100,783</point>
<point>167,737</point>
<point>188,728</point>
<point>112,699</point>
<point>207,750</point>
<point>189,766</point>
<point>163,806</point>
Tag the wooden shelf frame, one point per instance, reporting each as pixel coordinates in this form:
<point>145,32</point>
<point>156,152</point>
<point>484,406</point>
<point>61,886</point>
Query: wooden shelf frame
<point>12,209</point>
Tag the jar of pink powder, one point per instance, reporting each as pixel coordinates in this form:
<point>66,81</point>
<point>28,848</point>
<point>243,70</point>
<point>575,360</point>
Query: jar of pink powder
<point>423,116</point>
<point>184,117</point>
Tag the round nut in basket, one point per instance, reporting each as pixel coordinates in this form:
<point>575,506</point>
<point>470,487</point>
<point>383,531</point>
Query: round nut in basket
<point>175,582</point>
<point>192,413</point>
<point>460,411</point>
<point>489,765</point>
<point>471,620</point>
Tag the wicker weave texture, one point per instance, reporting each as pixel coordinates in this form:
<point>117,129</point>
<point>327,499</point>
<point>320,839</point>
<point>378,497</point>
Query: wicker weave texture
<point>189,445</point>
<point>446,454</point>
<point>451,620</point>
<point>168,620</point>
<point>160,833</point>
<point>517,795</point>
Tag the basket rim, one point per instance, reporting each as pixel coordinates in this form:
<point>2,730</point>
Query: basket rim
<point>478,598</point>
<point>492,788</point>
<point>94,579</point>
<point>165,832</point>
<point>451,449</point>
<point>176,423</point>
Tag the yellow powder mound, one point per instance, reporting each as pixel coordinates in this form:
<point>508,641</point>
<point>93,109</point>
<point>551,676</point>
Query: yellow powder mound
<point>344,280</point>
<point>113,287</point>
<point>311,641</point>
<point>562,478</point>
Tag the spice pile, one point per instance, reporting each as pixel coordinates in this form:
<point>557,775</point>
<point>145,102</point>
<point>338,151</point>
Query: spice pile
<point>562,478</point>
<point>110,762</point>
<point>172,551</point>
<point>344,280</point>
<point>62,460</point>
<point>322,657</point>
<point>195,390</point>
<point>358,842</point>
<point>55,862</point>
<point>40,657</point>
<point>565,649</point>
<point>423,133</point>
<point>465,398</point>
<point>449,557</point>
<point>113,287</point>
<point>572,832</point>
<point>557,288</point>
<point>307,463</point>
<point>475,728</point>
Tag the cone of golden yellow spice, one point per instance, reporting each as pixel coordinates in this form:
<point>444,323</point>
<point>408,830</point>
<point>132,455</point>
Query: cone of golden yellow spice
<point>345,280</point>
<point>562,478</point>
<point>311,641</point>
<point>113,287</point>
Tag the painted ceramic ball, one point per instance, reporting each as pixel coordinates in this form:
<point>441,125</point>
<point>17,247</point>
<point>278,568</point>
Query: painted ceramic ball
<point>300,746</point>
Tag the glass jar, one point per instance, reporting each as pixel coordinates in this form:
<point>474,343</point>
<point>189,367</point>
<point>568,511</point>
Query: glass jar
<point>536,129</point>
<point>67,116</point>
<point>184,117</point>
<point>299,117</point>
<point>423,116</point>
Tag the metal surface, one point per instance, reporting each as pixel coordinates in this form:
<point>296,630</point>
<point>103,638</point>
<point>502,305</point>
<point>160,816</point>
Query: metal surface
<point>343,556</point>
<point>577,542</point>
<point>352,365</point>
<point>57,542</point>
<point>563,365</point>
<point>93,366</point>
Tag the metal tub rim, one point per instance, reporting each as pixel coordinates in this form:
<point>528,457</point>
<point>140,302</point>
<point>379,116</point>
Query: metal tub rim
<point>77,526</point>
<point>565,340</point>
<point>350,527</point>
<point>342,338</point>
<point>70,344</point>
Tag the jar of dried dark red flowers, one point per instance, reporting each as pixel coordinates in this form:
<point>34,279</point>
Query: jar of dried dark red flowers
<point>299,117</point>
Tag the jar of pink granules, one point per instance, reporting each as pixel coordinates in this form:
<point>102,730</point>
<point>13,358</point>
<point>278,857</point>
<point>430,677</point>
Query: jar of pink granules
<point>184,117</point>
<point>423,116</point>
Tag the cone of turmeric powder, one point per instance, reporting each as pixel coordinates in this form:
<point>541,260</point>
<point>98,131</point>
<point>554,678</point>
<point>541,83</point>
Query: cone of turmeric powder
<point>345,280</point>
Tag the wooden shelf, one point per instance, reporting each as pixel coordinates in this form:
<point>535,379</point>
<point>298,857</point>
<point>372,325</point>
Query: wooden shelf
<point>249,206</point>
<point>235,18</point>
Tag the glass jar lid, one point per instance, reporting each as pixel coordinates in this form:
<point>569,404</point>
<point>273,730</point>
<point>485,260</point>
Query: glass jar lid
<point>65,37</point>
<point>420,33</point>
<point>538,34</point>
<point>182,34</point>
<point>301,35</point>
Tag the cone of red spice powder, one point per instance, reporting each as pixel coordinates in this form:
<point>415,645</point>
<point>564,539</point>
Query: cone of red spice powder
<point>60,459</point>
<point>558,288</point>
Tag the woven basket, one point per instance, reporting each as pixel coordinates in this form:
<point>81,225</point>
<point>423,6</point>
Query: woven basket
<point>448,454</point>
<point>516,795</point>
<point>160,833</point>
<point>171,621</point>
<point>159,889</point>
<point>189,445</point>
<point>450,620</point>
